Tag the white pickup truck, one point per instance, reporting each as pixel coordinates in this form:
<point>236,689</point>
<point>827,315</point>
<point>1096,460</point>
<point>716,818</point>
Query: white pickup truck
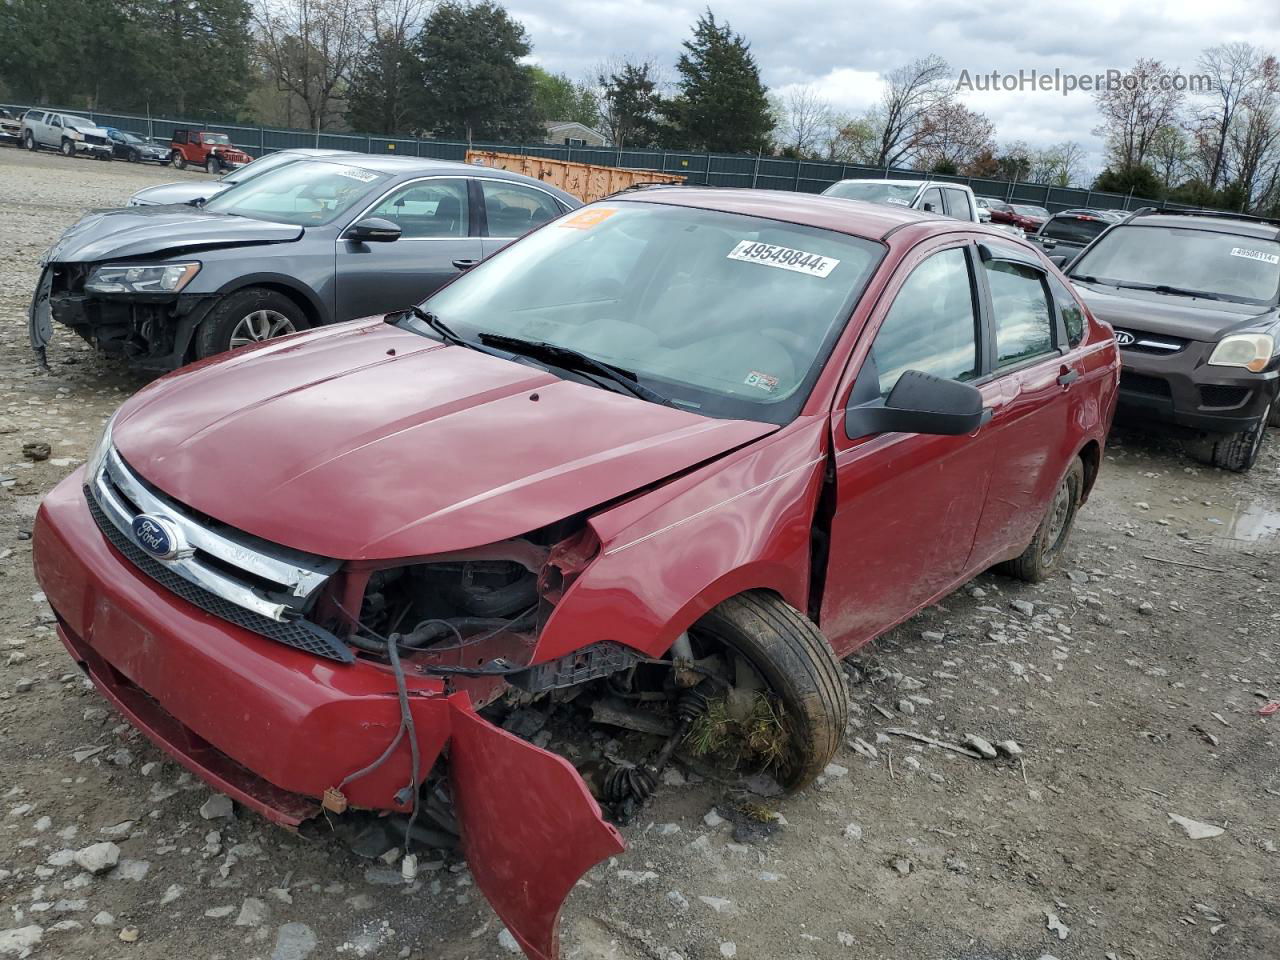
<point>65,132</point>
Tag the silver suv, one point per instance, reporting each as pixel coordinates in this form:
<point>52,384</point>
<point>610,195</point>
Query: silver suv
<point>65,132</point>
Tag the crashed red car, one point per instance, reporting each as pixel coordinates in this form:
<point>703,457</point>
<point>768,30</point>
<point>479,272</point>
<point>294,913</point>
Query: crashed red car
<point>692,445</point>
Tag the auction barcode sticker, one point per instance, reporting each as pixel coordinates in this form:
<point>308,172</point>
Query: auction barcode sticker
<point>1260,255</point>
<point>800,261</point>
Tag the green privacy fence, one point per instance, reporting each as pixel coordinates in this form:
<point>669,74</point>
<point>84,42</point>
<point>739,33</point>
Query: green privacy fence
<point>713,169</point>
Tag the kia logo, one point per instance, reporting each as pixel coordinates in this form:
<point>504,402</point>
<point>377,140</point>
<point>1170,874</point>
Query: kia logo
<point>1124,338</point>
<point>158,536</point>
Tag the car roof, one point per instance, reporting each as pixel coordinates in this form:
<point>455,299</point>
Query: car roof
<point>858,218</point>
<point>1216,223</point>
<point>904,183</point>
<point>411,166</point>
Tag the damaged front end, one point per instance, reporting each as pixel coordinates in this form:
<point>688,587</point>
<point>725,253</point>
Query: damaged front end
<point>150,331</point>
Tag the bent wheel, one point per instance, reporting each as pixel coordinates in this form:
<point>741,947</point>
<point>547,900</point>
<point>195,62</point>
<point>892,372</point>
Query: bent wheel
<point>1041,557</point>
<point>772,645</point>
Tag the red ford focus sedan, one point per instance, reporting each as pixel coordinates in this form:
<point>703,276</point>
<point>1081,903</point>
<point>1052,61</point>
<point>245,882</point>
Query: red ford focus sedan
<point>693,446</point>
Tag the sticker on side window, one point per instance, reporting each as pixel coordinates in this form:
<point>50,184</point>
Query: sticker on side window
<point>761,381</point>
<point>355,173</point>
<point>588,218</point>
<point>800,261</point>
<point>1260,255</point>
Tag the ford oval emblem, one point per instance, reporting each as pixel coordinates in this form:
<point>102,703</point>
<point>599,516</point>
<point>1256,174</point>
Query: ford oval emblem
<point>1124,338</point>
<point>157,536</point>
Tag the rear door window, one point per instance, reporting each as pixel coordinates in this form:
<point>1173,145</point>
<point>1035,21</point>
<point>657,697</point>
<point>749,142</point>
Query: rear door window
<point>931,325</point>
<point>513,209</point>
<point>1020,311</point>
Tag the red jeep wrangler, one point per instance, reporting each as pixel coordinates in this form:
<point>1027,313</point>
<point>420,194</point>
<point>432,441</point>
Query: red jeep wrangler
<point>203,148</point>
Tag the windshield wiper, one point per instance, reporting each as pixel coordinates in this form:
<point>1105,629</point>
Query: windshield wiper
<point>1165,288</point>
<point>572,359</point>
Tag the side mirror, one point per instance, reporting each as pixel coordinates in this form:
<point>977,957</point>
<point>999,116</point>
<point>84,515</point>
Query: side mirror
<point>920,403</point>
<point>373,230</point>
<point>1060,260</point>
<point>927,207</point>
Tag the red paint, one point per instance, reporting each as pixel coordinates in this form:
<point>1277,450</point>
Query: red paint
<point>374,446</point>
<point>1270,708</point>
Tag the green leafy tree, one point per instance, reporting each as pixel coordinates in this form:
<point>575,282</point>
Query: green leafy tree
<point>556,97</point>
<point>632,106</point>
<point>722,105</point>
<point>473,85</point>
<point>1137,178</point>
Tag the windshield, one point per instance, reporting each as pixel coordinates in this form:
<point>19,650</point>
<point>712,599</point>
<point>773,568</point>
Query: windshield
<point>260,166</point>
<point>1246,269</point>
<point>76,122</point>
<point>128,137</point>
<point>215,138</point>
<point>1073,229</point>
<point>308,194</point>
<point>1027,211</point>
<point>886,192</point>
<point>728,315</point>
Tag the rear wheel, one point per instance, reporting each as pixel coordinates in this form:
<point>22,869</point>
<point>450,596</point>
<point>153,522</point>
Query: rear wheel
<point>776,649</point>
<point>1237,452</point>
<point>178,159</point>
<point>1040,559</point>
<point>247,317</point>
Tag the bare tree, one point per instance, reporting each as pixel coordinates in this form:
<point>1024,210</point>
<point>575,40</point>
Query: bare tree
<point>1170,154</point>
<point>804,121</point>
<point>911,93</point>
<point>952,136</point>
<point>1233,69</point>
<point>1254,138</point>
<point>853,139</point>
<point>1136,109</point>
<point>309,48</point>
<point>1059,164</point>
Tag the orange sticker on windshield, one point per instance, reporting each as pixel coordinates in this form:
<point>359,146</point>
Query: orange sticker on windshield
<point>587,219</point>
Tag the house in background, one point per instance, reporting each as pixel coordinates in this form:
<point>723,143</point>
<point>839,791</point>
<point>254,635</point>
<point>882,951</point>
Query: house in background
<point>573,134</point>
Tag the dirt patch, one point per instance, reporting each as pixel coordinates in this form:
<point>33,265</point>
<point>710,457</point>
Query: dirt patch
<point>1131,682</point>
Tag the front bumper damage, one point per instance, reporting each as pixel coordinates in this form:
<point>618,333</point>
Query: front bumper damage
<point>152,332</point>
<point>274,727</point>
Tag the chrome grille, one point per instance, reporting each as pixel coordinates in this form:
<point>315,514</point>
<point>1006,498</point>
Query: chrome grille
<point>261,586</point>
<point>1148,343</point>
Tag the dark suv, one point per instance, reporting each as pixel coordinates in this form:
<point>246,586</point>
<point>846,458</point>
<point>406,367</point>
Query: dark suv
<point>1195,302</point>
<point>1065,234</point>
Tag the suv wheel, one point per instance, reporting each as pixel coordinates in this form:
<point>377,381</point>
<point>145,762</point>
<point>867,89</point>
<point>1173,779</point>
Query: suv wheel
<point>178,159</point>
<point>1237,452</point>
<point>1039,560</point>
<point>211,165</point>
<point>247,317</point>
<point>29,141</point>
<point>783,656</point>
<point>68,148</point>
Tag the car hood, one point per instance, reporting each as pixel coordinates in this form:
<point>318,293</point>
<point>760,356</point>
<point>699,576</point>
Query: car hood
<point>1151,312</point>
<point>365,442</point>
<point>155,230</point>
<point>181,192</point>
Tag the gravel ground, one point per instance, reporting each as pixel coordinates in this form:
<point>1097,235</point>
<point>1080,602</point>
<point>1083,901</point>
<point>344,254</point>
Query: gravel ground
<point>1132,682</point>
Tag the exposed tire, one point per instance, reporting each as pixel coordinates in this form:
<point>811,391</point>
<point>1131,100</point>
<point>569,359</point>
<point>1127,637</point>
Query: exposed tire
<point>29,141</point>
<point>178,160</point>
<point>135,156</point>
<point>1274,419</point>
<point>211,165</point>
<point>1040,559</point>
<point>248,316</point>
<point>68,149</point>
<point>1237,452</point>
<point>796,663</point>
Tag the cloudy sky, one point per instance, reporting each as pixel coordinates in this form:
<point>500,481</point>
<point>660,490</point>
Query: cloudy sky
<point>842,46</point>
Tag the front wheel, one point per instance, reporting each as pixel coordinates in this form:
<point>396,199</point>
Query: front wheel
<point>212,165</point>
<point>1237,452</point>
<point>1040,559</point>
<point>247,317</point>
<point>777,653</point>
<point>68,148</point>
<point>135,156</point>
<point>29,141</point>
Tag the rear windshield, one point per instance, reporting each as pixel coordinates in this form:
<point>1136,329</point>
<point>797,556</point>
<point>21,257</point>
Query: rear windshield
<point>1073,229</point>
<point>262,165</point>
<point>887,192</point>
<point>1224,265</point>
<point>308,194</point>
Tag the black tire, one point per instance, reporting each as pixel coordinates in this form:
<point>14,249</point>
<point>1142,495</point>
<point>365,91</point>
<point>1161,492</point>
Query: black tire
<point>214,335</point>
<point>1274,419</point>
<point>29,141</point>
<point>1237,452</point>
<point>178,160</point>
<point>1041,557</point>
<point>135,156</point>
<point>67,149</point>
<point>795,661</point>
<point>212,165</point>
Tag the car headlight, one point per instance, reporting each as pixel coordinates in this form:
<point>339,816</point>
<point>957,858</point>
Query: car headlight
<point>98,455</point>
<point>141,278</point>
<point>1249,350</point>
